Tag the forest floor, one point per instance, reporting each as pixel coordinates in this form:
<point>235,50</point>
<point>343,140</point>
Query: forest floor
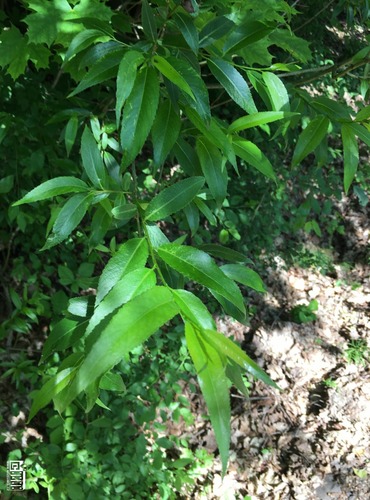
<point>312,439</point>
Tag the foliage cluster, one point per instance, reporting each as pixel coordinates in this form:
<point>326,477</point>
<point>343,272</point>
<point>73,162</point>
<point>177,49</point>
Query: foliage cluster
<point>175,140</point>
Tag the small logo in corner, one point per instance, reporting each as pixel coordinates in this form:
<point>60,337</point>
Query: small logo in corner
<point>16,475</point>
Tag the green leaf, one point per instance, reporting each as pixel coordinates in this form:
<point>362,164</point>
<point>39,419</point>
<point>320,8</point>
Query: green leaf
<point>229,308</point>
<point>101,71</point>
<point>187,157</point>
<point>214,134</point>
<point>246,34</point>
<point>173,198</point>
<point>172,74</point>
<point>186,26</point>
<point>197,85</point>
<point>165,131</point>
<point>335,111</point>
<point>129,286</point>
<point>14,52</point>
<point>139,113</point>
<point>199,267</point>
<point>210,368</point>
<point>131,255</point>
<point>126,76</point>
<point>233,83</point>
<point>55,385</point>
<point>70,133</point>
<point>155,235</point>
<point>234,373</point>
<point>81,41</point>
<point>91,159</point>
<point>213,168</point>
<point>63,335</point>
<point>298,47</point>
<point>214,30</point>
<point>129,328</point>
<point>192,217</point>
<point>6,185</point>
<point>258,119</point>
<point>244,275</point>
<point>363,114</point>
<point>310,138</point>
<point>224,253</point>
<point>361,132</point>
<point>251,153</point>
<point>231,350</point>
<point>124,212</point>
<point>53,187</point>
<point>192,309</point>
<point>350,155</point>
<point>148,21</point>
<point>208,214</point>
<point>112,382</point>
<point>277,92</point>
<point>68,219</point>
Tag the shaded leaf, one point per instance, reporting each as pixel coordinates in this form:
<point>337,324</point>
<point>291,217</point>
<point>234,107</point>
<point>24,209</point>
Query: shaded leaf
<point>214,30</point>
<point>126,78</point>
<point>148,21</point>
<point>233,82</point>
<point>139,113</point>
<point>246,34</point>
<point>213,168</point>
<point>165,131</point>
<point>167,70</point>
<point>68,219</point>
<point>310,138</point>
<point>188,30</point>
<point>173,198</point>
<point>91,159</point>
<point>350,155</point>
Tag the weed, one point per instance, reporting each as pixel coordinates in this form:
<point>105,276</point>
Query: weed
<point>357,352</point>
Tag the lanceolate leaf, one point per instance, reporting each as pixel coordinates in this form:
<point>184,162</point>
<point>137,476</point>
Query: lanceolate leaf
<point>139,113</point>
<point>229,349</point>
<point>148,21</point>
<point>210,367</point>
<point>214,30</point>
<point>70,133</point>
<point>80,42</point>
<point>56,384</point>
<point>249,32</point>
<point>213,168</point>
<point>68,219</point>
<point>172,74</point>
<point>174,198</point>
<point>186,25</point>
<point>251,153</point>
<point>129,328</point>
<point>233,83</point>
<point>132,284</point>
<point>277,92</point>
<point>362,133</point>
<point>61,337</point>
<point>350,155</point>
<point>244,275</point>
<point>131,255</point>
<point>197,85</point>
<point>199,267</point>
<point>224,253</point>
<point>192,309</point>
<point>310,138</point>
<point>258,119</point>
<point>91,159</point>
<point>101,71</point>
<point>166,129</point>
<point>54,187</point>
<point>124,212</point>
<point>126,78</point>
<point>214,134</point>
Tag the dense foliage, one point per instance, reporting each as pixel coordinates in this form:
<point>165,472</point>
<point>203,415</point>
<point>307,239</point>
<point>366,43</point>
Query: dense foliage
<point>156,131</point>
